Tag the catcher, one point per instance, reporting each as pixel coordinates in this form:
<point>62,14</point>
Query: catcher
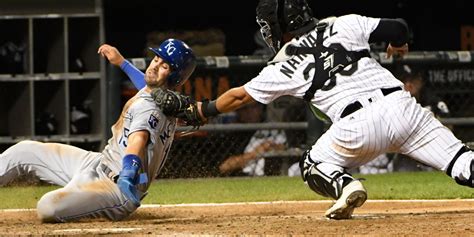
<point>327,63</point>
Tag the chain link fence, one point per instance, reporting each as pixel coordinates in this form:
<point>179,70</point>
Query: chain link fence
<point>269,139</point>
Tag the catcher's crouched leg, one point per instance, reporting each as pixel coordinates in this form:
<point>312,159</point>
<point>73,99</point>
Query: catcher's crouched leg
<point>333,181</point>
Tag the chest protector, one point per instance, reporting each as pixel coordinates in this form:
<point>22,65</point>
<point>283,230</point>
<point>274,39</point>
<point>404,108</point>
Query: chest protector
<point>328,60</point>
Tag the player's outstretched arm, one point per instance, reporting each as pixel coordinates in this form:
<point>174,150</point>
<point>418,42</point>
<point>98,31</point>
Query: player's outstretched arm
<point>229,101</point>
<point>113,55</point>
<point>196,113</point>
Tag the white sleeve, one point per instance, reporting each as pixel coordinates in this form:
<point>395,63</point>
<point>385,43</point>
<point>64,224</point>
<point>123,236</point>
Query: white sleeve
<point>366,24</point>
<point>356,30</point>
<point>270,84</point>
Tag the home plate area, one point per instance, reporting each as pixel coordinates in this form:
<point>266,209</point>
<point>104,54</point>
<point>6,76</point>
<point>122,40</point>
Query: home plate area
<point>375,217</point>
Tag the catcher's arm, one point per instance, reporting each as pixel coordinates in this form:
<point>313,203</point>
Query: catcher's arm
<point>196,113</point>
<point>393,31</point>
<point>231,100</point>
<point>396,51</point>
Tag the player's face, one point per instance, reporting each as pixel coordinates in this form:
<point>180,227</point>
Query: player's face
<point>157,72</point>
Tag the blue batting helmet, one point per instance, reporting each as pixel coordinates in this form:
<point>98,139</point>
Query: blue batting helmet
<point>181,59</point>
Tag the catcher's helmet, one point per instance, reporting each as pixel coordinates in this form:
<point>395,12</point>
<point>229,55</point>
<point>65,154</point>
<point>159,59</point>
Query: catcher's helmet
<point>181,59</point>
<point>277,17</point>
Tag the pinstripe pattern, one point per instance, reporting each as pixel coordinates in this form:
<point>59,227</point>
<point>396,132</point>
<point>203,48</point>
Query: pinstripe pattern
<point>392,123</point>
<point>352,32</point>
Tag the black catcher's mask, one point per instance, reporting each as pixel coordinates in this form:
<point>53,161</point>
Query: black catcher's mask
<point>277,17</point>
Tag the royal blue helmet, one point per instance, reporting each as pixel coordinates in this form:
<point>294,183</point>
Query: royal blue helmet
<point>181,59</point>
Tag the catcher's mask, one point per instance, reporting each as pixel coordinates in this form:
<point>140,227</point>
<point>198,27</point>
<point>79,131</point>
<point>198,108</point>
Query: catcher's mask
<point>277,17</point>
<point>181,59</point>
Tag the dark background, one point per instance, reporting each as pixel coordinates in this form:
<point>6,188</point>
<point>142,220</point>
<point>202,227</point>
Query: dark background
<point>434,25</point>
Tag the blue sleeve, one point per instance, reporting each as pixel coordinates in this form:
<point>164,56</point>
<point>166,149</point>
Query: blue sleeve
<point>136,76</point>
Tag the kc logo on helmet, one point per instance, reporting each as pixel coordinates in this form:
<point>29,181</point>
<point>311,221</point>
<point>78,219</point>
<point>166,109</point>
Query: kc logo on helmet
<point>170,48</point>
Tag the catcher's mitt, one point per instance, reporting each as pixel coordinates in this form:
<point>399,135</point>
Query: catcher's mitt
<point>177,105</point>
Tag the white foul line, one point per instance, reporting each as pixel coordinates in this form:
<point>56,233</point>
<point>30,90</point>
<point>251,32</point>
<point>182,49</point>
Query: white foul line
<point>268,203</point>
<point>295,202</point>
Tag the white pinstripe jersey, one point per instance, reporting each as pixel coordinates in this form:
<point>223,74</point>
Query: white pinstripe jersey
<point>141,113</point>
<point>288,77</point>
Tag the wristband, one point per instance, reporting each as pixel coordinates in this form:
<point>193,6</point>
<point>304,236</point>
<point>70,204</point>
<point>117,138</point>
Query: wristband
<point>131,160</point>
<point>209,109</point>
<point>130,166</point>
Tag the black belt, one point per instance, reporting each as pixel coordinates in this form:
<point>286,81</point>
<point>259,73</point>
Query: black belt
<point>353,107</point>
<point>109,173</point>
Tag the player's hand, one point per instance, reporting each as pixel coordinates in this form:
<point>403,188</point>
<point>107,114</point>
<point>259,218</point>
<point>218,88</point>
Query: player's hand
<point>128,189</point>
<point>112,54</point>
<point>396,51</point>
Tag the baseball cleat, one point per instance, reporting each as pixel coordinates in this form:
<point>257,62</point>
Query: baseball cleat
<point>353,195</point>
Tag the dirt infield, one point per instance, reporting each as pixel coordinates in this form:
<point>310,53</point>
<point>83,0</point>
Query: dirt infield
<point>382,218</point>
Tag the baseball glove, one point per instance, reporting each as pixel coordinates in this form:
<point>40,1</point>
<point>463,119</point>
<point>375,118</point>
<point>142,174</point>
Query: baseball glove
<point>177,105</point>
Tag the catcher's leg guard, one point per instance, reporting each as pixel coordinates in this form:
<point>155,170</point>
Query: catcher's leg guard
<point>461,167</point>
<point>334,181</point>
